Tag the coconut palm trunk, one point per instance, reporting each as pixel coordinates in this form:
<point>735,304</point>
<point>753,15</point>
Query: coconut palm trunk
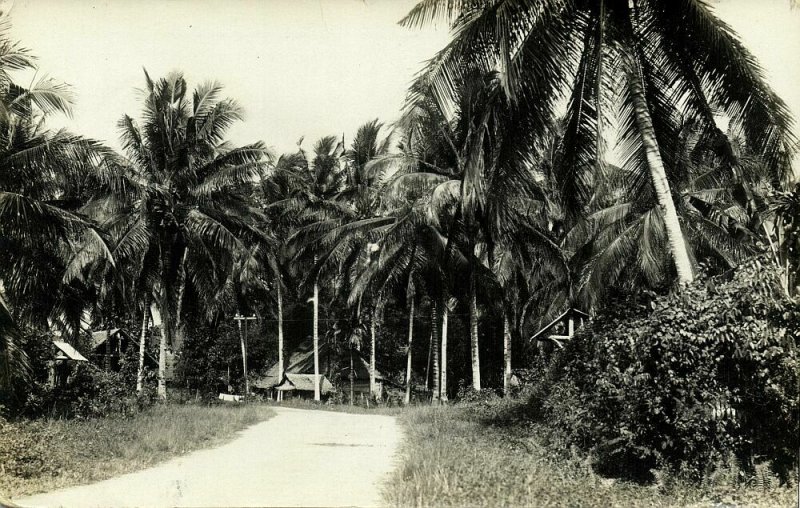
<point>506,355</point>
<point>373,344</point>
<point>166,328</point>
<point>162,350</point>
<point>142,339</point>
<point>658,176</point>
<point>473,331</point>
<point>407,399</point>
<point>443,382</point>
<point>435,351</point>
<point>316,342</point>
<point>280,327</point>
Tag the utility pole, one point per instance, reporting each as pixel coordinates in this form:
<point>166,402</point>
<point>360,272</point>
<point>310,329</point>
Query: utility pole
<point>243,339</point>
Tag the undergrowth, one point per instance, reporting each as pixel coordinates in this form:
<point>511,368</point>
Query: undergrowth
<point>486,454</point>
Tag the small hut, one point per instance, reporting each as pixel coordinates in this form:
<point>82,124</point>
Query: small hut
<point>302,386</point>
<point>562,328</point>
<point>61,367</point>
<point>301,361</point>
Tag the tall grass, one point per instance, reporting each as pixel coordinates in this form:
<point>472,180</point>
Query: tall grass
<point>39,456</point>
<point>450,457</point>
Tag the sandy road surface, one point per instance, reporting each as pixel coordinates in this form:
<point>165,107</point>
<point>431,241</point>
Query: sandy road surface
<point>297,458</point>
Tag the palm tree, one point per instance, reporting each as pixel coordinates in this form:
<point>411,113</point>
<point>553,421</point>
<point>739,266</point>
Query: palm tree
<point>185,208</point>
<point>47,242</point>
<point>660,60</point>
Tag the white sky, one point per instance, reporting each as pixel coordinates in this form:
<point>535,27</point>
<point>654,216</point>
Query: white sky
<point>299,67</point>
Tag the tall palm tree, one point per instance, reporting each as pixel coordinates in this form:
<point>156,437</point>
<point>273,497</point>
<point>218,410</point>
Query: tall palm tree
<point>46,241</point>
<point>659,59</point>
<point>185,208</point>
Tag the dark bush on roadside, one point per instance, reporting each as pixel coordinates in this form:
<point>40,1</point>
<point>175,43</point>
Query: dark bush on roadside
<point>682,382</point>
<point>90,392</point>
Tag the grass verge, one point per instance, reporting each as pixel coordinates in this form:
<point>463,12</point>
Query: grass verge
<point>450,458</point>
<point>43,455</point>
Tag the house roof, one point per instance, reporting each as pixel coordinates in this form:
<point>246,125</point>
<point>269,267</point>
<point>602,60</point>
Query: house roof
<point>100,336</point>
<point>570,311</point>
<point>304,382</point>
<point>67,352</point>
<point>301,361</point>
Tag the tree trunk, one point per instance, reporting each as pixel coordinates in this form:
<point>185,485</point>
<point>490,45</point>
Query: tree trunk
<point>142,339</point>
<point>443,359</point>
<point>372,344</point>
<point>658,176</point>
<point>473,330</point>
<point>180,326</point>
<point>316,342</point>
<point>506,356</point>
<point>428,363</point>
<point>166,323</point>
<point>280,329</point>
<point>435,348</point>
<point>352,377</point>
<point>407,399</point>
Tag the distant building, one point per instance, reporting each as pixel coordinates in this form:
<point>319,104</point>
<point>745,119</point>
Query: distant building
<point>109,346</point>
<point>301,361</point>
<point>302,385</point>
<point>561,329</point>
<point>62,365</point>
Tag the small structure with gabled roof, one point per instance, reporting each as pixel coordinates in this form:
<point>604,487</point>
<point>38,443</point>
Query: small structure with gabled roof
<point>301,361</point>
<point>65,357</point>
<point>561,328</point>
<point>302,385</point>
<point>108,346</point>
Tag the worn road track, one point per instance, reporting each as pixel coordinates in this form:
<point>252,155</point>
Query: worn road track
<point>297,458</point>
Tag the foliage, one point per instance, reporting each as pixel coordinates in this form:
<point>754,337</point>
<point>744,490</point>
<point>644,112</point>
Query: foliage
<point>684,381</point>
<point>458,456</point>
<point>89,393</point>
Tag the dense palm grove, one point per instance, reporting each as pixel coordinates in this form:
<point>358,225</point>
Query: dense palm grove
<point>595,155</point>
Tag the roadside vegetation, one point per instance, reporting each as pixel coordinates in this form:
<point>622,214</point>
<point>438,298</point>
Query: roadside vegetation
<point>47,454</point>
<point>472,455</point>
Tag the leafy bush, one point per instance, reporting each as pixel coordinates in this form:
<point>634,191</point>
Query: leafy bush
<point>683,382</point>
<point>90,392</point>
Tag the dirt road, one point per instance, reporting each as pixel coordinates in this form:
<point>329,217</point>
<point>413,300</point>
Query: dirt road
<point>297,458</point>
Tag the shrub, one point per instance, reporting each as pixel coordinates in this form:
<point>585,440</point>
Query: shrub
<point>90,392</point>
<point>684,381</point>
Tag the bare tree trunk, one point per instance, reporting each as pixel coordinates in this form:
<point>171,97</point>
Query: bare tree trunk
<point>316,342</point>
<point>658,176</point>
<point>352,377</point>
<point>443,374</point>
<point>435,348</point>
<point>473,330</point>
<point>166,322</point>
<point>428,363</point>
<point>506,356</point>
<point>280,329</point>
<point>142,339</point>
<point>180,327</point>
<point>407,399</point>
<point>372,354</point>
